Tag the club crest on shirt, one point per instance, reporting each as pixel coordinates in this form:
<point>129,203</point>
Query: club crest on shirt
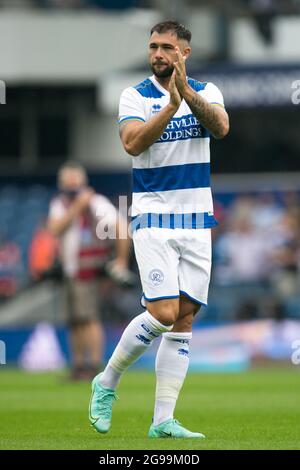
<point>156,277</point>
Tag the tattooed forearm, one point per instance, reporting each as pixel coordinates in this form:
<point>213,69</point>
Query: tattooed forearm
<point>205,113</point>
<point>212,117</point>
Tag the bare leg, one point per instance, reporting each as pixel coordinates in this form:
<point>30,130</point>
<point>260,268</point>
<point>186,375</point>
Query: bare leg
<point>94,342</point>
<point>77,346</point>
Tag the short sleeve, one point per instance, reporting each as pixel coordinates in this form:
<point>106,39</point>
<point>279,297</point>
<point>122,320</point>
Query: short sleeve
<point>131,106</point>
<point>213,94</point>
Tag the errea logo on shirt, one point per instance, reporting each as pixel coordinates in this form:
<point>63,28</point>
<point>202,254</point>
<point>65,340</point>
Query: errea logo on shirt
<point>156,108</point>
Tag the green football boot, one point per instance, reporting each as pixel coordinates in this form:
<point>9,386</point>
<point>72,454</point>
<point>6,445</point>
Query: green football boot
<point>100,408</point>
<point>172,429</point>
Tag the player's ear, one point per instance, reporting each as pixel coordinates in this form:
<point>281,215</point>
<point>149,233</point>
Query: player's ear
<point>186,52</point>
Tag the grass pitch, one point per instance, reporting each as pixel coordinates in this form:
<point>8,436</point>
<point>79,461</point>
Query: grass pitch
<point>258,409</point>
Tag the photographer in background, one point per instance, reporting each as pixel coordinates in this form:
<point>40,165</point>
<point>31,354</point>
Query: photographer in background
<point>73,219</point>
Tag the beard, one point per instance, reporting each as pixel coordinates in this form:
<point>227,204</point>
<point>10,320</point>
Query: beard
<point>164,72</point>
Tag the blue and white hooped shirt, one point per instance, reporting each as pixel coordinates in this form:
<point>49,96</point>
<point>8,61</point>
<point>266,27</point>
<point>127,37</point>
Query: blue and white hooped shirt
<point>171,179</point>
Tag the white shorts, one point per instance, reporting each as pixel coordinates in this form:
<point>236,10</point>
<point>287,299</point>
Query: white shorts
<point>173,262</point>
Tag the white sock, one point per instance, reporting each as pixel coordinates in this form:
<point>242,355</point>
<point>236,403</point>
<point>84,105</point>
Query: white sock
<point>172,362</point>
<point>136,338</point>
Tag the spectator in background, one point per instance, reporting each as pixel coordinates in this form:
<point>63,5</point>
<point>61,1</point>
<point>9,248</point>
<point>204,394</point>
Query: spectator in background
<point>73,218</point>
<point>10,268</point>
<point>266,212</point>
<point>243,261</point>
<point>258,254</point>
<point>43,254</point>
<point>286,256</point>
<point>243,254</point>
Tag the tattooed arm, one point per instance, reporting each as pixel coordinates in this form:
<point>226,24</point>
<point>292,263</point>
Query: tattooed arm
<point>212,117</point>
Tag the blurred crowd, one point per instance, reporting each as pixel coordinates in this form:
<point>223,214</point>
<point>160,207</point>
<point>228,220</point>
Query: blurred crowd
<point>10,268</point>
<point>257,251</point>
<point>256,254</point>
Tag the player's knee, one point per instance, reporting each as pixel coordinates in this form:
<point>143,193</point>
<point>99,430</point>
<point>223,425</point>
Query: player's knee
<point>183,324</point>
<point>166,312</point>
<point>187,307</point>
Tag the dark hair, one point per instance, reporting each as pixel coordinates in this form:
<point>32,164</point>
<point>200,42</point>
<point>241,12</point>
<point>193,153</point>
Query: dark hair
<point>181,31</point>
